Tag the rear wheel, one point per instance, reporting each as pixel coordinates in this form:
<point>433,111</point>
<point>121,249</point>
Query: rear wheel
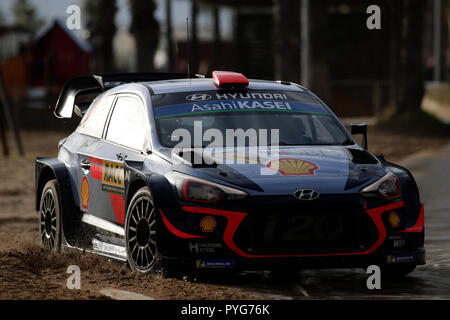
<point>140,232</point>
<point>50,218</point>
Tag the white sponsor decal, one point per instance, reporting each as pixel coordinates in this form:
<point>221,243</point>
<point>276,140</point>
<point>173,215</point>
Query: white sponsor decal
<point>242,105</point>
<point>198,97</point>
<point>109,248</point>
<point>262,95</point>
<point>204,247</point>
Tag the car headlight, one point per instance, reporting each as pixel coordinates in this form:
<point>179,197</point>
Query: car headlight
<point>388,187</point>
<point>190,188</point>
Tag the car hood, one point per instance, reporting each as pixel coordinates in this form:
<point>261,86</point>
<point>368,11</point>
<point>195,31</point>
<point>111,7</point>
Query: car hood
<point>326,169</point>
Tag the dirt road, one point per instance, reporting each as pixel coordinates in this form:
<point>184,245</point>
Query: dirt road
<point>26,272</point>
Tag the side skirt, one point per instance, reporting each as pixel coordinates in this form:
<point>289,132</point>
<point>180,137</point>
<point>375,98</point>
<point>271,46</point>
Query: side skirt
<point>106,238</point>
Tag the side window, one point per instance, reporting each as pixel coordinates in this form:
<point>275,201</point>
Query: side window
<point>94,121</point>
<point>128,125</point>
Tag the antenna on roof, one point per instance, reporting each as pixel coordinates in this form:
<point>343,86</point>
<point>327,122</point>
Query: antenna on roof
<point>189,49</point>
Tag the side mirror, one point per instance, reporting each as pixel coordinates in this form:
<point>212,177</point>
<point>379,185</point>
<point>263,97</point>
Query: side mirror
<point>360,128</point>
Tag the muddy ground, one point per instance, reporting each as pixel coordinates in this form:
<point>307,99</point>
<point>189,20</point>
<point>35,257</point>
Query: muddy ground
<point>26,272</point>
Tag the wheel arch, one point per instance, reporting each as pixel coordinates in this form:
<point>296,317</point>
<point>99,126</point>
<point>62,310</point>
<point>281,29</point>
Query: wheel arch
<point>47,169</point>
<point>136,178</point>
<point>133,188</point>
<point>45,176</point>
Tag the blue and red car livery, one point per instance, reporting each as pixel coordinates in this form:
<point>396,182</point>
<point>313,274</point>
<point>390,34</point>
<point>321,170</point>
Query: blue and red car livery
<point>153,175</point>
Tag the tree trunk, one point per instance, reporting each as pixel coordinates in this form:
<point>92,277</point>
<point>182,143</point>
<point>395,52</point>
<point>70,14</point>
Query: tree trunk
<point>101,24</point>
<point>395,23</point>
<point>287,40</point>
<point>145,29</point>
<point>216,65</point>
<point>194,54</point>
<point>411,64</point>
<point>170,53</point>
<point>319,70</point>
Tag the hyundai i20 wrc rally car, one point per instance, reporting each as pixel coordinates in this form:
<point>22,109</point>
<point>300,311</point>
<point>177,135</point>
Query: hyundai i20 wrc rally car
<point>147,177</point>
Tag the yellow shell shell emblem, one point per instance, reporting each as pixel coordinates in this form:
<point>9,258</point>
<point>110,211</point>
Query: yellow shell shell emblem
<point>293,167</point>
<point>85,195</point>
<point>394,219</point>
<point>208,224</point>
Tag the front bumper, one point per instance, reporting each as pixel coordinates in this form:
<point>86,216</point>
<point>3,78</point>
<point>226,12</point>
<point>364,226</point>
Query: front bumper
<point>232,238</point>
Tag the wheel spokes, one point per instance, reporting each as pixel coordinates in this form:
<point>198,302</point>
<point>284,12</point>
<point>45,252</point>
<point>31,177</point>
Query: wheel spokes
<point>134,219</point>
<point>142,233</point>
<point>151,251</point>
<point>48,220</point>
<point>147,213</point>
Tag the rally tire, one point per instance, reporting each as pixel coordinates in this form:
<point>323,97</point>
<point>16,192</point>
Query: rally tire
<point>50,218</point>
<point>140,233</point>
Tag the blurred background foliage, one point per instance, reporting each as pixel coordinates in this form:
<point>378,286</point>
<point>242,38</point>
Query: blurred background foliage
<point>393,74</point>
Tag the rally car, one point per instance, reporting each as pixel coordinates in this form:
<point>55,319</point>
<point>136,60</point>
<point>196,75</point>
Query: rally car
<point>175,171</point>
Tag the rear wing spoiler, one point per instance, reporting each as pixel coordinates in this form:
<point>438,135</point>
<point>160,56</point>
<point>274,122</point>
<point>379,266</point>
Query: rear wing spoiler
<point>89,85</point>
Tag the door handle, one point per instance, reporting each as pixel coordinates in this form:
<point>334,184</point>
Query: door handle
<point>85,164</point>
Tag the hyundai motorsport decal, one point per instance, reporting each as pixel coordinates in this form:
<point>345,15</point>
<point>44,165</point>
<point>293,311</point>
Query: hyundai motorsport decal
<point>188,103</point>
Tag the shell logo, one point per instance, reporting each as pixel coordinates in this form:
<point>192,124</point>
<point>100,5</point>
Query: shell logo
<point>85,194</point>
<point>293,167</point>
<point>208,224</point>
<point>394,219</point>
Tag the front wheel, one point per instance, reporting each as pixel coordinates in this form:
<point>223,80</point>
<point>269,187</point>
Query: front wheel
<point>140,232</point>
<point>50,218</point>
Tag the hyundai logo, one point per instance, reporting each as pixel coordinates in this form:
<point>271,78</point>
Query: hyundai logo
<point>306,194</point>
<point>198,97</point>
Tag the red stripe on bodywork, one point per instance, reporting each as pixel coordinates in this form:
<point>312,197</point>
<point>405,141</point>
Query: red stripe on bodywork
<point>418,227</point>
<point>95,160</point>
<point>118,204</point>
<point>96,168</point>
<point>375,214</point>
<point>175,231</point>
<point>96,171</point>
<point>235,218</point>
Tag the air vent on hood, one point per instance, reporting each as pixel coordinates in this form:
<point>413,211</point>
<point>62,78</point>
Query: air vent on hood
<point>361,156</point>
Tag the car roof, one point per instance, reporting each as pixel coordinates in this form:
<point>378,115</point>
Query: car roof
<point>207,84</point>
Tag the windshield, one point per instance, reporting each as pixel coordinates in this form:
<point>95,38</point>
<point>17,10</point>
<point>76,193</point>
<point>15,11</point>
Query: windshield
<point>294,118</point>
